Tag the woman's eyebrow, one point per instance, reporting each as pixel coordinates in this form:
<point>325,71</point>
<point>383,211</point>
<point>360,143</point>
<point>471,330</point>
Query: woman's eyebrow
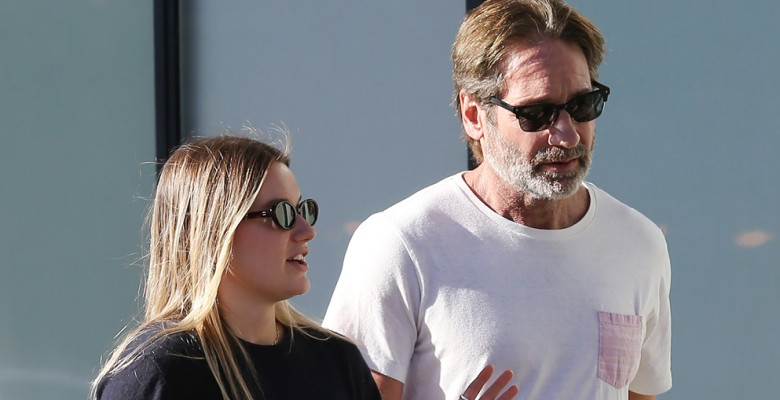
<point>270,203</point>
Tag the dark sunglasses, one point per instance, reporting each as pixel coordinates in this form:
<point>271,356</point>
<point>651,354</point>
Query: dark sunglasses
<point>537,117</point>
<point>285,214</point>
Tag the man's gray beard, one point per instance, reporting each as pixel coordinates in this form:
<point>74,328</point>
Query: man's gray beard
<point>521,173</point>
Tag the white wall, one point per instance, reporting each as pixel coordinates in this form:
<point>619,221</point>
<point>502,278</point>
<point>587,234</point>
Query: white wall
<point>77,122</point>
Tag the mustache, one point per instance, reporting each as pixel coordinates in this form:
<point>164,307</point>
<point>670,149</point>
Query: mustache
<point>558,154</point>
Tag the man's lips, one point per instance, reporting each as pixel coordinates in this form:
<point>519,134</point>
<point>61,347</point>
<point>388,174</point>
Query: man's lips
<point>560,166</point>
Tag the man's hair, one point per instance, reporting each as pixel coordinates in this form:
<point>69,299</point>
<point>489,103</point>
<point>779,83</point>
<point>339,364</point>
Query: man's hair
<point>489,30</point>
<point>204,191</point>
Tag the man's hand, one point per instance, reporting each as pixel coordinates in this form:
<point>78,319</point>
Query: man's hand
<point>494,390</point>
<point>392,389</point>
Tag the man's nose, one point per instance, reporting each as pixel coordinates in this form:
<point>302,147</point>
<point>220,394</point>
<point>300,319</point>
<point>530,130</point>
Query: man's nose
<point>563,133</point>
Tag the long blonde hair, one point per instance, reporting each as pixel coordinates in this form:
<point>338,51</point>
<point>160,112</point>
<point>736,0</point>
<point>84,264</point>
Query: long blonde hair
<point>204,190</point>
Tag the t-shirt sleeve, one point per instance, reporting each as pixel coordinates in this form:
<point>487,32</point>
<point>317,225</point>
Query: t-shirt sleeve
<point>655,374</point>
<point>377,297</point>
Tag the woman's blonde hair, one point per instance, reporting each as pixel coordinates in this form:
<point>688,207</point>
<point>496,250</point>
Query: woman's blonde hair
<point>204,190</point>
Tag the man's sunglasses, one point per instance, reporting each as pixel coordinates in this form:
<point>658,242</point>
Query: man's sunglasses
<point>537,117</point>
<point>285,214</point>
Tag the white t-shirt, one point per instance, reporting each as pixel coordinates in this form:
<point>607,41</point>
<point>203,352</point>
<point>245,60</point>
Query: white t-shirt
<point>438,285</point>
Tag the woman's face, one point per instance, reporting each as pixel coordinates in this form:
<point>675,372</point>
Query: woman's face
<point>268,263</point>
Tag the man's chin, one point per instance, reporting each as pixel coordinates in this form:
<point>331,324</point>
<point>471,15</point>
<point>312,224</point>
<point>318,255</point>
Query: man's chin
<point>557,188</point>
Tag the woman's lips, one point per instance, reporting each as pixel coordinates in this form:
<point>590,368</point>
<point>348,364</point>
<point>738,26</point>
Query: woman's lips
<point>299,261</point>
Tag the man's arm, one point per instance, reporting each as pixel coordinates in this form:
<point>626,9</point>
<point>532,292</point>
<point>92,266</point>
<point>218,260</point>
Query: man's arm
<point>637,396</point>
<point>390,388</point>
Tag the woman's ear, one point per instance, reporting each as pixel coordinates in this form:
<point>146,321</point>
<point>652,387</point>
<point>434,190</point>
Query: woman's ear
<point>471,115</point>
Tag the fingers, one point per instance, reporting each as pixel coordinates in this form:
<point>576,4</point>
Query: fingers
<point>493,390</point>
<point>476,385</point>
<point>510,393</point>
<point>498,386</point>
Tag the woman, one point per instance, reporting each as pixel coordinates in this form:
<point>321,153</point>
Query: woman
<point>228,248</point>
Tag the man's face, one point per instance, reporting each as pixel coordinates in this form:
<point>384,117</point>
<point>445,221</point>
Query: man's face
<point>552,163</point>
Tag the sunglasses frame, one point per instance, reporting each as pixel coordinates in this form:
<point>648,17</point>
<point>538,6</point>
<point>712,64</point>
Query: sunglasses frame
<point>273,212</point>
<point>521,115</point>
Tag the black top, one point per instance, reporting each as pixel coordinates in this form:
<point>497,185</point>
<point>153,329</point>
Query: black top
<point>174,368</point>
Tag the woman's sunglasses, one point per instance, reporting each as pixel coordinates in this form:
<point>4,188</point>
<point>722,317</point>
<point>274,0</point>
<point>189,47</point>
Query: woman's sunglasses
<point>285,214</point>
<point>538,117</point>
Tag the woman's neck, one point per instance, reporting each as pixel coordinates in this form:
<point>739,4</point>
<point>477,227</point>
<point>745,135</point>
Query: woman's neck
<point>252,323</point>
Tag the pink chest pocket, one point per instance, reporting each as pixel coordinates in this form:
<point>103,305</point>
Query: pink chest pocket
<point>620,347</point>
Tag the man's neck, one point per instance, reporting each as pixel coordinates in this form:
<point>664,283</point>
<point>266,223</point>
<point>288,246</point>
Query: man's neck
<point>522,208</point>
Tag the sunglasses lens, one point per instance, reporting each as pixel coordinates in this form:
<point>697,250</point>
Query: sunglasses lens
<point>284,214</point>
<point>586,107</point>
<point>536,117</point>
<point>309,211</point>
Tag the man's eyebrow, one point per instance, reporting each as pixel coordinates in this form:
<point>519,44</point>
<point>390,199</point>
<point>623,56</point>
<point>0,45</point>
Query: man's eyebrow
<point>576,94</point>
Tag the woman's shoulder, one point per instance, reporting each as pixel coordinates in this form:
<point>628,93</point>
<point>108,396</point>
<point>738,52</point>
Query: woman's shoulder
<point>319,334</point>
<point>153,344</point>
<point>158,364</point>
<point>327,341</point>
<point>340,366</point>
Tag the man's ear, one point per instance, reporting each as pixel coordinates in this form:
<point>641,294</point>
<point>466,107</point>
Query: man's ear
<point>471,115</point>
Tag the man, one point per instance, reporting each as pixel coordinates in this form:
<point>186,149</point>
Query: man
<point>519,263</point>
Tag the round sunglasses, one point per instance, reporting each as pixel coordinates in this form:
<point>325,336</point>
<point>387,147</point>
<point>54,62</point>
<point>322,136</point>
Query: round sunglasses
<point>284,214</point>
<point>537,117</point>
